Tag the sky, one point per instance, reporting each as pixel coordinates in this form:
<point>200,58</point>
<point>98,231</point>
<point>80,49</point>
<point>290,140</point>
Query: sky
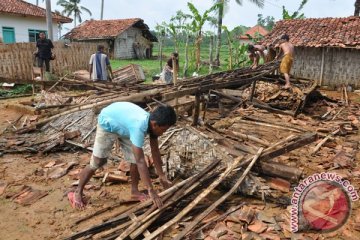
<point>156,11</point>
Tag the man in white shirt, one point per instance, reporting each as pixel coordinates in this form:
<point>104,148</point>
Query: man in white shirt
<point>98,65</point>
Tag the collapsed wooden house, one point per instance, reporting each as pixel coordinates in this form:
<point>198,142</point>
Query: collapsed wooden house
<point>244,138</point>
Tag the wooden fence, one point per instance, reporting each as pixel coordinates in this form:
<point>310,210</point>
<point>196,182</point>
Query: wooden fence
<point>17,60</point>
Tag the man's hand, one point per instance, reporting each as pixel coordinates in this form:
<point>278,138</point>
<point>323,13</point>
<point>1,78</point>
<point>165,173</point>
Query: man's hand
<point>165,182</point>
<point>155,197</point>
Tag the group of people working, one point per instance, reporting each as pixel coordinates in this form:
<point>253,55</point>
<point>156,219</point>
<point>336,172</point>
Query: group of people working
<point>286,52</point>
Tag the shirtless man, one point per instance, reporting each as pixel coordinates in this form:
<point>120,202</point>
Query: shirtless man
<point>255,52</point>
<point>288,52</point>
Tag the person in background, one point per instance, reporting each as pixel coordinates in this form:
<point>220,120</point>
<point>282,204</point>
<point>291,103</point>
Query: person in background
<point>287,51</point>
<point>167,73</point>
<point>99,64</point>
<point>255,52</point>
<point>130,123</point>
<point>43,53</point>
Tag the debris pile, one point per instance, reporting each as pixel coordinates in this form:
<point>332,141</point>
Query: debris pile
<point>238,133</point>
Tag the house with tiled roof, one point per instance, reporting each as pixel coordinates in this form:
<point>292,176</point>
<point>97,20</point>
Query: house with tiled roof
<point>21,21</point>
<point>124,38</point>
<point>255,32</point>
<point>326,49</point>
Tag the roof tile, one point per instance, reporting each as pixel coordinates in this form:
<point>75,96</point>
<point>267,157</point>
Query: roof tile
<point>103,29</point>
<point>19,7</point>
<point>318,32</point>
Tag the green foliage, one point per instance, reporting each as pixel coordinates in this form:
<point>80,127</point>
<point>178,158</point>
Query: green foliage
<point>73,7</point>
<point>17,90</point>
<point>267,22</point>
<point>259,3</point>
<point>296,14</point>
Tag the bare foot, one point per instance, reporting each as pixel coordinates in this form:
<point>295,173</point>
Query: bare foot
<point>139,196</point>
<point>76,200</point>
<point>287,86</point>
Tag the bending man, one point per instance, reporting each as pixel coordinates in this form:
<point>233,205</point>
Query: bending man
<point>130,123</point>
<point>255,52</point>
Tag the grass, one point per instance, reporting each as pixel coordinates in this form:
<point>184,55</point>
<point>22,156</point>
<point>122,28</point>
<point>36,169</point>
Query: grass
<point>151,67</point>
<point>17,90</point>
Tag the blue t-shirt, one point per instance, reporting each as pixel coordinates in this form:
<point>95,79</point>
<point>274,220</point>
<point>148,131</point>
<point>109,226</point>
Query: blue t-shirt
<point>127,120</point>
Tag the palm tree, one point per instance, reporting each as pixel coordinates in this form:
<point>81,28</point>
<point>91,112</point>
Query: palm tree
<point>73,7</point>
<point>197,24</point>
<point>357,8</point>
<point>222,5</point>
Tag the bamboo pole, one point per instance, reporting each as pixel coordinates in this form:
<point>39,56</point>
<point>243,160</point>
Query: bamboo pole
<point>125,214</point>
<point>135,97</point>
<point>154,213</point>
<point>318,146</point>
<point>195,201</point>
<point>220,200</point>
<point>250,137</point>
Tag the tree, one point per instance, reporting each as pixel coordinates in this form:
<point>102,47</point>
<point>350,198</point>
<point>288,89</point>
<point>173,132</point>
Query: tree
<point>222,5</point>
<point>296,14</point>
<point>197,24</point>
<point>73,7</point>
<point>357,8</point>
<point>160,29</point>
<point>268,22</point>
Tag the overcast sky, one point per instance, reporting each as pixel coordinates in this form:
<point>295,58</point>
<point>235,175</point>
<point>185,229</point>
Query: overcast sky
<point>157,11</point>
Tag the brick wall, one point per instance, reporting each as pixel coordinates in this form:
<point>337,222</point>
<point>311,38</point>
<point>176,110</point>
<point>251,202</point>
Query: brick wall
<point>341,65</point>
<point>16,60</point>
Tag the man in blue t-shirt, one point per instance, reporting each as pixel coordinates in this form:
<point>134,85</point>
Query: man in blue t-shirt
<point>130,123</point>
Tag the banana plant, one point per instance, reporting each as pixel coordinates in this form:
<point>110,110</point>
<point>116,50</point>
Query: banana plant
<point>197,24</point>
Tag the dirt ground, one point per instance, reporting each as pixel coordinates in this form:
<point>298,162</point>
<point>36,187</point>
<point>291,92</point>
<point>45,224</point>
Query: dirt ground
<point>51,217</point>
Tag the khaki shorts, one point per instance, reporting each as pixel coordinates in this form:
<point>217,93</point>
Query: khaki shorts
<point>104,142</point>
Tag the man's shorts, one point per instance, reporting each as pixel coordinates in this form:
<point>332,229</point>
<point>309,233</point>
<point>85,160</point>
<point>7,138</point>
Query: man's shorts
<point>41,62</point>
<point>104,142</point>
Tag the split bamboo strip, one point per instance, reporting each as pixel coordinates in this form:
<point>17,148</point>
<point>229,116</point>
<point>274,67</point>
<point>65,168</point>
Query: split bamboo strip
<point>195,201</point>
<point>200,217</point>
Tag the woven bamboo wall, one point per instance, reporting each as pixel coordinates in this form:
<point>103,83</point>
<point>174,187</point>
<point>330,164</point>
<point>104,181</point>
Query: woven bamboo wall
<point>341,65</point>
<point>16,60</point>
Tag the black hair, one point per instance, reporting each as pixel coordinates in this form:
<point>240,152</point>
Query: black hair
<point>163,116</point>
<point>250,48</point>
<point>100,47</point>
<point>175,54</point>
<point>285,37</point>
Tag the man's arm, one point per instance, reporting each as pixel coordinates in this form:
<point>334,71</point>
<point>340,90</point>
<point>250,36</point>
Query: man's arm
<point>51,45</point>
<point>280,52</point>
<point>109,67</point>
<point>144,174</point>
<point>91,65</point>
<point>90,70</point>
<point>155,152</point>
